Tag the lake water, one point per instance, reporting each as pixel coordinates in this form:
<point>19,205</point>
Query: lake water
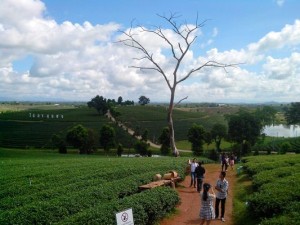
<point>282,130</point>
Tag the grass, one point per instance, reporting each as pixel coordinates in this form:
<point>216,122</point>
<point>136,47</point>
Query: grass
<point>242,189</point>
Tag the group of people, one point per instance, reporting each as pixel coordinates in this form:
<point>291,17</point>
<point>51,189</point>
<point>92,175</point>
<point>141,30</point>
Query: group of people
<point>227,161</point>
<point>208,196</point>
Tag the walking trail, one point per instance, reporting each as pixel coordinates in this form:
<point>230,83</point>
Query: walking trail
<point>190,199</point>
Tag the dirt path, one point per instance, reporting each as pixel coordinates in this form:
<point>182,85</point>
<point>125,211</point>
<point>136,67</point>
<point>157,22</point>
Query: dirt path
<point>190,199</point>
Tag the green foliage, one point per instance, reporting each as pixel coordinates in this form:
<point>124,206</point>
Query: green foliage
<point>196,137</point>
<point>275,145</point>
<point>266,114</point>
<point>77,137</point>
<point>120,150</point>
<point>143,100</point>
<point>145,135</point>
<point>218,132</point>
<point>292,113</point>
<point>100,104</point>
<point>107,137</point>
<point>19,130</point>
<point>285,147</point>
<point>141,147</point>
<point>244,128</point>
<point>49,188</point>
<point>59,143</point>
<point>164,140</point>
<point>276,185</point>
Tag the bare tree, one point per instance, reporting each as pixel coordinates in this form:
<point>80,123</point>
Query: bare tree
<point>186,34</point>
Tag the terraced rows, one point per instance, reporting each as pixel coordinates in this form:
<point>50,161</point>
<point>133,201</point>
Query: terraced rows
<point>57,189</point>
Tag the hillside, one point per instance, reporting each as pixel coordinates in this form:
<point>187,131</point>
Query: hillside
<point>27,126</point>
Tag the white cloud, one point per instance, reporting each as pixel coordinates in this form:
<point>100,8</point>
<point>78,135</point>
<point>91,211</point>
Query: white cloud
<point>215,32</point>
<point>280,2</point>
<point>289,36</point>
<point>78,61</point>
<point>283,68</point>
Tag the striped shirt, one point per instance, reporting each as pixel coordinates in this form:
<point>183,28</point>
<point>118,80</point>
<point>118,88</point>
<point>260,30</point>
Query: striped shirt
<point>223,185</point>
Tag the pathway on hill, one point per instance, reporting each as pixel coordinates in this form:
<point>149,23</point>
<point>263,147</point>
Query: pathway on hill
<point>131,132</point>
<point>190,199</point>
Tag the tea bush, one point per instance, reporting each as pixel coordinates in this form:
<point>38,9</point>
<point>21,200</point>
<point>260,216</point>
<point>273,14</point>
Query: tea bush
<point>74,189</point>
<point>276,185</point>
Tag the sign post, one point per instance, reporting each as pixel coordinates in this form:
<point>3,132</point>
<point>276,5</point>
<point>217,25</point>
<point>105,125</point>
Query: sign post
<point>125,217</point>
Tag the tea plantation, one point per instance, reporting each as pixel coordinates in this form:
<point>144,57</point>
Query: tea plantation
<point>39,187</point>
<point>276,185</point>
<point>34,128</point>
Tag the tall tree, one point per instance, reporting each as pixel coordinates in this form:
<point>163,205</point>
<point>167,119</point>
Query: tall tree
<point>143,100</point>
<point>144,135</point>
<point>218,132</point>
<point>266,114</point>
<point>77,136</point>
<point>107,137</point>
<point>244,128</point>
<point>164,140</point>
<point>99,103</point>
<point>186,35</point>
<point>120,100</point>
<point>292,113</point>
<point>196,136</point>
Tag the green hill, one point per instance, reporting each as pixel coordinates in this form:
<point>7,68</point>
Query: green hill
<point>34,127</point>
<point>154,118</point>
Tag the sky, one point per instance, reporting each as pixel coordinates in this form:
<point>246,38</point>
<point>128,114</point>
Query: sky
<point>70,50</point>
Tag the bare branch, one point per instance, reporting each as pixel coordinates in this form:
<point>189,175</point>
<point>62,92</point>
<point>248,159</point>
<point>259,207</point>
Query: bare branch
<point>180,101</point>
<point>145,68</point>
<point>207,64</point>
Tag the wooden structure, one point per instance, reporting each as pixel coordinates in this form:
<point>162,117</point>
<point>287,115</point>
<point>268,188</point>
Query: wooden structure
<point>159,183</point>
<point>170,178</point>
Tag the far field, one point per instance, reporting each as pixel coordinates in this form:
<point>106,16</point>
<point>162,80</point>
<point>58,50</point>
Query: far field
<point>32,126</point>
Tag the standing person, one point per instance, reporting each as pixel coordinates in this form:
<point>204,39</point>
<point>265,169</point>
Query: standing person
<point>222,188</point>
<point>193,165</point>
<point>200,171</point>
<point>225,162</point>
<point>231,161</point>
<point>207,212</point>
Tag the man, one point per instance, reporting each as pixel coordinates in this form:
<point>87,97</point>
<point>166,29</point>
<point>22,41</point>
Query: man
<point>193,166</point>
<point>222,188</point>
<point>200,171</point>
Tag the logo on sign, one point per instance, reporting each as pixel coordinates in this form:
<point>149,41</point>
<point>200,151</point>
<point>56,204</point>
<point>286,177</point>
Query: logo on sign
<point>125,217</point>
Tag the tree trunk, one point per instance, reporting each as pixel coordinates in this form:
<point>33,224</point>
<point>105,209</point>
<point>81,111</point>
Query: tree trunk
<point>170,124</point>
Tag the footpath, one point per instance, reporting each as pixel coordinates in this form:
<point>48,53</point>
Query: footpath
<point>189,208</point>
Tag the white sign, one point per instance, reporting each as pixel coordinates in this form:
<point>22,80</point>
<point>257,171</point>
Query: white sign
<point>125,217</point>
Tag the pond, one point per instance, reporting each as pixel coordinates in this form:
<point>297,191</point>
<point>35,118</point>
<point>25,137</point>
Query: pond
<point>282,130</point>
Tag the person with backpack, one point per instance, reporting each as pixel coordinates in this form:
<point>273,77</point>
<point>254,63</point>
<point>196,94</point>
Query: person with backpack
<point>200,171</point>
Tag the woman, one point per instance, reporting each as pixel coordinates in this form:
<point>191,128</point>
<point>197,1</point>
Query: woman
<point>207,212</point>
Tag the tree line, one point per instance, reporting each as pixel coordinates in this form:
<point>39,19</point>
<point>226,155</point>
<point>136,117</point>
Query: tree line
<point>243,129</point>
